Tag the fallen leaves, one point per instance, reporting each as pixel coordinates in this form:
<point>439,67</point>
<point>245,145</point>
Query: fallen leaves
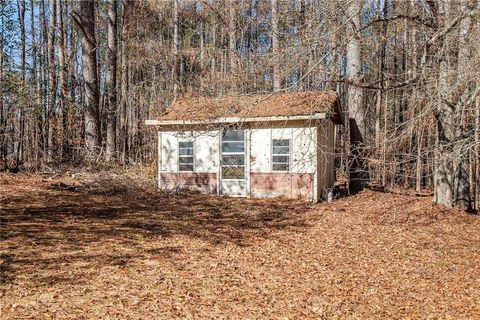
<point>110,247</point>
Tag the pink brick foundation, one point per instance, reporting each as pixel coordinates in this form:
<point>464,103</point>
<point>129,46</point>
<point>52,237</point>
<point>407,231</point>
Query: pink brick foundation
<point>205,182</point>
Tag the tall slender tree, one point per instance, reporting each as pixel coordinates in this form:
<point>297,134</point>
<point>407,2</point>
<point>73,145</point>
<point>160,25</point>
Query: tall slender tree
<point>63,129</point>
<point>356,112</point>
<point>86,23</point>
<point>124,88</point>
<point>52,80</point>
<point>175,49</point>
<point>232,36</point>
<point>451,186</point>
<point>20,113</point>
<point>275,46</point>
<point>111,79</point>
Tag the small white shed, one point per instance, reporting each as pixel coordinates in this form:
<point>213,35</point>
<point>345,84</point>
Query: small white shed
<point>279,144</point>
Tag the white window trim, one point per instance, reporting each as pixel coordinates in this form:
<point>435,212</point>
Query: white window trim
<point>290,147</point>
<point>193,154</point>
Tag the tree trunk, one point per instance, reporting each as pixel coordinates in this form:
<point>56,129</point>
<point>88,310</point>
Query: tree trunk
<point>111,80</point>
<point>42,84</point>
<point>419,162</point>
<point>62,80</point>
<point>75,127</point>
<point>477,151</point>
<point>20,112</point>
<point>358,173</point>
<point>382,46</point>
<point>122,132</point>
<point>3,142</point>
<point>231,36</point>
<point>86,24</point>
<point>175,49</point>
<point>451,180</point>
<point>213,47</point>
<point>52,85</point>
<point>275,46</point>
<point>36,87</point>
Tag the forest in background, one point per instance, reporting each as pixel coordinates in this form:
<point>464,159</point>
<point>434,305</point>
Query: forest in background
<point>79,78</point>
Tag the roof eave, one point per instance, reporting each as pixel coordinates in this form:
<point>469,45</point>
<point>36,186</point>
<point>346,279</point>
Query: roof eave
<point>227,120</point>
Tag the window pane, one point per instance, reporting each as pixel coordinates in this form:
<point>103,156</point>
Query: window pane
<point>185,167</point>
<point>185,144</point>
<point>280,167</point>
<point>280,159</point>
<point>185,151</point>
<point>281,150</point>
<point>185,155</point>
<point>233,160</point>
<point>233,172</point>
<point>281,142</point>
<point>185,160</point>
<point>232,147</point>
<point>232,135</point>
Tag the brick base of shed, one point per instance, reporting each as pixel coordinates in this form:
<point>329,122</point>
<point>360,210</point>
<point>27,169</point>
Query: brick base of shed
<point>289,185</point>
<point>205,182</point>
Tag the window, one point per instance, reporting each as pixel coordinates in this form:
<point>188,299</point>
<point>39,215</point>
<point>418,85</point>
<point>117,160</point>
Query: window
<point>233,154</point>
<point>185,156</point>
<point>280,154</point>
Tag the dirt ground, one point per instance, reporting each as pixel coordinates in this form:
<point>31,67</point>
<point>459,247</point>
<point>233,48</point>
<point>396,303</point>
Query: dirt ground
<point>112,247</point>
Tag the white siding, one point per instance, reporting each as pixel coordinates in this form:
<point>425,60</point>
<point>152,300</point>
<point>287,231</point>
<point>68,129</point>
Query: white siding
<point>206,151</point>
<point>311,153</point>
<point>283,133</point>
<point>260,145</point>
<point>303,146</point>
<point>205,146</point>
<point>303,141</point>
<point>169,157</point>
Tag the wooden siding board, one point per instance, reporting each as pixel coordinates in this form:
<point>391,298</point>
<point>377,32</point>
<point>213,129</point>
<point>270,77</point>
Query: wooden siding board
<point>325,159</point>
<point>303,150</point>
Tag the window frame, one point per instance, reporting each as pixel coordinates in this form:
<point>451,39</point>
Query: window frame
<point>185,156</point>
<point>233,153</point>
<point>289,155</point>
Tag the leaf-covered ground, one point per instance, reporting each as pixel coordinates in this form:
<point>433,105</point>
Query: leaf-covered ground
<point>111,247</point>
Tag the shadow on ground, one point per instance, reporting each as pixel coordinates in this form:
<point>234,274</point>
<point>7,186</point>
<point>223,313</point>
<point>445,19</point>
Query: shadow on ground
<point>121,220</point>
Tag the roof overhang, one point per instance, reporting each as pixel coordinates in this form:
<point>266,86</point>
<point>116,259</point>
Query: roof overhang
<point>236,120</point>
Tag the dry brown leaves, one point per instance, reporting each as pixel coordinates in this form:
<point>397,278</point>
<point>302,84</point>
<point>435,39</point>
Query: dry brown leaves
<point>110,247</point>
<point>262,105</point>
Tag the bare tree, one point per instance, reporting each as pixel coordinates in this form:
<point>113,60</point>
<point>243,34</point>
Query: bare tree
<point>275,46</point>
<point>355,100</point>
<point>86,23</point>
<point>451,186</point>
<point>122,128</point>
<point>175,48</point>
<point>52,80</point>
<point>62,77</point>
<point>20,113</point>
<point>231,35</point>
<point>111,79</point>
<point>405,70</point>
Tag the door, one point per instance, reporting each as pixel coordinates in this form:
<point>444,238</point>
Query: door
<point>233,179</point>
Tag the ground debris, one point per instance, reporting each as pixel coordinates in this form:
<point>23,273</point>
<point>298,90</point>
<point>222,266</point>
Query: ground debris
<point>112,246</point>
